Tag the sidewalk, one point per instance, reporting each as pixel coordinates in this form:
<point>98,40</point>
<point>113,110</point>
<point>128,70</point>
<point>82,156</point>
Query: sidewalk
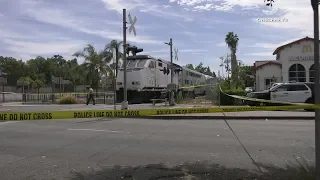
<point>259,115</point>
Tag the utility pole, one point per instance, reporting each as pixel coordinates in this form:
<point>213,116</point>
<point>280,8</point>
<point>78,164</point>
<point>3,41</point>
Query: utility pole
<point>131,28</point>
<point>315,6</point>
<point>171,98</point>
<point>171,60</point>
<point>124,104</point>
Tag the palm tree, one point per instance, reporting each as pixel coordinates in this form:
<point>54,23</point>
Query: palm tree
<point>232,42</point>
<point>95,63</point>
<point>114,48</point>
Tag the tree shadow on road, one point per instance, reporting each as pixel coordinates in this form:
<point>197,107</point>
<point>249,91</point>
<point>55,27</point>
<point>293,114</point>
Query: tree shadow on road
<point>199,171</point>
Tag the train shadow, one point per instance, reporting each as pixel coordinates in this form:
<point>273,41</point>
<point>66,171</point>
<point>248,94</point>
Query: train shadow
<point>198,170</point>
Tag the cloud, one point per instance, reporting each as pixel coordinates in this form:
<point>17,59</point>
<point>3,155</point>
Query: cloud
<point>298,14</point>
<point>206,7</point>
<point>193,50</point>
<point>221,44</point>
<point>190,33</point>
<point>38,48</point>
<point>264,45</point>
<point>146,7</point>
<point>158,51</point>
<point>272,46</point>
<point>119,5</point>
<point>179,51</point>
<point>81,23</point>
<point>259,54</point>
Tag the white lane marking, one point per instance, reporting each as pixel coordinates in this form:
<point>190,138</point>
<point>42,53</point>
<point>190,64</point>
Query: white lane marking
<point>8,122</point>
<point>96,130</point>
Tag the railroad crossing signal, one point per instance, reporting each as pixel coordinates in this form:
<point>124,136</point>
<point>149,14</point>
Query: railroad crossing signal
<point>176,54</point>
<point>269,2</point>
<point>132,23</point>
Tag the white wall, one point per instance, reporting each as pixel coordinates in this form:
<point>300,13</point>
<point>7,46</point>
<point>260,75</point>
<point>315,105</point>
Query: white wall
<point>265,72</point>
<point>295,50</point>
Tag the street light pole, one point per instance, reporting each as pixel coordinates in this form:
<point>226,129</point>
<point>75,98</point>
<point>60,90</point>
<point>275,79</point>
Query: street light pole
<point>171,60</point>
<point>315,6</point>
<point>125,99</point>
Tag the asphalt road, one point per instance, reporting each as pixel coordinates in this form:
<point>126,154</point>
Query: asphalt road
<point>59,149</point>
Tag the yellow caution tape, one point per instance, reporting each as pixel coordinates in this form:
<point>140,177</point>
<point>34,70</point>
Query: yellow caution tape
<point>45,115</point>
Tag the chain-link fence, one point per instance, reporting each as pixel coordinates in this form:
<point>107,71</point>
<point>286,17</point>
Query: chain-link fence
<point>50,98</point>
<point>199,95</point>
<point>50,94</point>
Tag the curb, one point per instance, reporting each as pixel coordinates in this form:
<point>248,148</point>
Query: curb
<point>228,117</point>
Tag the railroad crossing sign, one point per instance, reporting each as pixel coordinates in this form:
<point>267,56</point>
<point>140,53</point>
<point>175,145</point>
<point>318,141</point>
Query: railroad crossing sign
<point>132,23</point>
<point>176,54</point>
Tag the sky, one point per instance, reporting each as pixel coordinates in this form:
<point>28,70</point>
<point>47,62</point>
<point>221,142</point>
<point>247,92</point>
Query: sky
<point>31,28</point>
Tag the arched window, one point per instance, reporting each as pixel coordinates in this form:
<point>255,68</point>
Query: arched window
<point>297,73</point>
<point>311,73</point>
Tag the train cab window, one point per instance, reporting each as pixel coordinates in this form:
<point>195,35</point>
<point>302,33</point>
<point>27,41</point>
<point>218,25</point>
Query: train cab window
<point>132,64</point>
<point>159,64</point>
<point>151,65</point>
<point>141,63</point>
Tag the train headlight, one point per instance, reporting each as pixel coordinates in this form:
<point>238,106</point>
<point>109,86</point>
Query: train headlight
<point>136,83</point>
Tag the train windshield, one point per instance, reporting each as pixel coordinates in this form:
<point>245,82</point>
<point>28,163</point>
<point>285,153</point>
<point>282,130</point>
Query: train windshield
<point>135,64</point>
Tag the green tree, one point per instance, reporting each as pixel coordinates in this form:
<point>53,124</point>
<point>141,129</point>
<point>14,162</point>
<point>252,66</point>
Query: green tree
<point>23,81</point>
<point>38,69</point>
<point>200,68</point>
<point>13,68</point>
<point>95,64</point>
<point>246,75</point>
<point>190,66</point>
<point>37,84</point>
<point>232,41</point>
<point>226,62</point>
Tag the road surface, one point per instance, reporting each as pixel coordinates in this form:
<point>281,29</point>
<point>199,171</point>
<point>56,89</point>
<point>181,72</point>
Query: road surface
<point>66,149</point>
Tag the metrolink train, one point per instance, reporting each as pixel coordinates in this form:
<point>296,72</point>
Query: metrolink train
<point>148,78</point>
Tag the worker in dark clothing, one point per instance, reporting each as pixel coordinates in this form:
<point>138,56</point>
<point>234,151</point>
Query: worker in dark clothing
<point>90,96</point>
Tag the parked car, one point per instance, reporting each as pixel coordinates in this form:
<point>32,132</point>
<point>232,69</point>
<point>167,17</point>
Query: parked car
<point>299,92</point>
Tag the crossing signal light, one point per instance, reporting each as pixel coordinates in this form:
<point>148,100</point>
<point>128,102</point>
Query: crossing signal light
<point>165,71</point>
<point>177,70</point>
<point>133,49</point>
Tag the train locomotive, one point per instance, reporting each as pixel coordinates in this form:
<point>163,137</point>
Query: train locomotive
<point>148,78</point>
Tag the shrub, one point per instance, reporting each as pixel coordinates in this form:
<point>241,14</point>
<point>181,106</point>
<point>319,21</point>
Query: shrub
<point>227,100</point>
<point>68,100</point>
